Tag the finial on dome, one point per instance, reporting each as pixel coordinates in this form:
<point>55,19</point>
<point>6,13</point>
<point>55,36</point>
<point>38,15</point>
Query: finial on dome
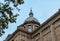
<point>31,13</point>
<point>31,9</point>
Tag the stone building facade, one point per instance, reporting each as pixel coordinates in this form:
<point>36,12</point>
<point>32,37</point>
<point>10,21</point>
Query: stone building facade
<point>32,30</point>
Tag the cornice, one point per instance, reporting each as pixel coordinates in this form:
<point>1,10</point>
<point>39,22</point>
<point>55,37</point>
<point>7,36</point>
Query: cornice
<point>41,25</point>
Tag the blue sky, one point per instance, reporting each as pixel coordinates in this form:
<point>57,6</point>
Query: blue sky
<point>42,9</point>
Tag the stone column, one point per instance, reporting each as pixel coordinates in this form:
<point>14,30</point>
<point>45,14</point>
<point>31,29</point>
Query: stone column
<point>53,33</point>
<point>41,36</point>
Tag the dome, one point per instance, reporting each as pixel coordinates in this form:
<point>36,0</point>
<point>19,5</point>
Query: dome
<point>31,19</point>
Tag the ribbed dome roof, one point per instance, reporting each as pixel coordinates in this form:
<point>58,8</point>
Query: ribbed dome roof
<point>31,18</point>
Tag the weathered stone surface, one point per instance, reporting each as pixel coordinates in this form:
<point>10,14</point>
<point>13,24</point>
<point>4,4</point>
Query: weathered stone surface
<point>48,31</point>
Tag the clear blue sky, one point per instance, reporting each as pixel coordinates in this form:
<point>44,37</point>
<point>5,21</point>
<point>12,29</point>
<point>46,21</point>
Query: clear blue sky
<point>42,9</point>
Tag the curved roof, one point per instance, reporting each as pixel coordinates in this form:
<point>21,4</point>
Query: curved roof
<point>31,18</point>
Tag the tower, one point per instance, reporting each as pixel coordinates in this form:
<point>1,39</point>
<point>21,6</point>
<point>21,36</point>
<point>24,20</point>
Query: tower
<point>29,26</point>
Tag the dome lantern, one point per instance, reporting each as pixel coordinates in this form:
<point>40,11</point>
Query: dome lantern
<point>31,13</point>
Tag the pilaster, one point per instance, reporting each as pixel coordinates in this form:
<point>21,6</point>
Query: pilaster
<point>53,35</point>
